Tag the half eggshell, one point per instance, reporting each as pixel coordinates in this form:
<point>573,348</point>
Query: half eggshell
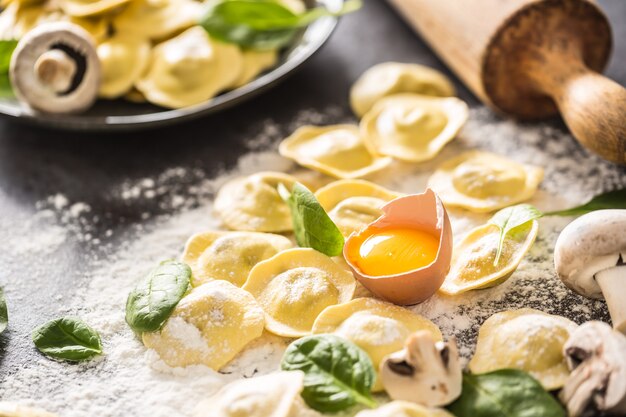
<point>419,211</point>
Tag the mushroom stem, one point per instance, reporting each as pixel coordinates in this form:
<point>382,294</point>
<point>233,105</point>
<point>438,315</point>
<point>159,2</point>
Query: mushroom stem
<point>612,281</point>
<point>55,69</point>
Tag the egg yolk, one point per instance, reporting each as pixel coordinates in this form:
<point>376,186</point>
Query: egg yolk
<point>393,251</point>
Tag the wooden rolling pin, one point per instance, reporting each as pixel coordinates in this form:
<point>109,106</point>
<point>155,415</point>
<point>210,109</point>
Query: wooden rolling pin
<point>531,59</point>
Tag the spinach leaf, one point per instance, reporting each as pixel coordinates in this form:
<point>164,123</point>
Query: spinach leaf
<point>152,301</point>
<point>504,393</point>
<point>337,373</point>
<point>509,218</point>
<point>261,24</point>
<point>67,339</point>
<point>4,312</point>
<point>311,224</point>
<point>611,200</point>
<point>6,50</point>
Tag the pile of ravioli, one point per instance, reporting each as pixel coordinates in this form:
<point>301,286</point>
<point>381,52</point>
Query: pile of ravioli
<point>149,50</point>
<point>253,279</point>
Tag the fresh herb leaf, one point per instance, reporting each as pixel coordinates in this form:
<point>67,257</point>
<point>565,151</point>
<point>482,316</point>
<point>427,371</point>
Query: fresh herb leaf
<point>6,50</point>
<point>509,218</point>
<point>337,373</point>
<point>311,224</point>
<point>67,339</point>
<point>4,312</point>
<point>261,24</point>
<point>504,393</point>
<point>611,200</point>
<point>152,301</point>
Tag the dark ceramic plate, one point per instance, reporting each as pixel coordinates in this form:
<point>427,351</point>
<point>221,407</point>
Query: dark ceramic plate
<point>123,115</point>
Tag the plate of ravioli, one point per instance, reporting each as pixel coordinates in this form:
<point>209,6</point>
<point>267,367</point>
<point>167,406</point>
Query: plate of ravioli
<point>128,64</point>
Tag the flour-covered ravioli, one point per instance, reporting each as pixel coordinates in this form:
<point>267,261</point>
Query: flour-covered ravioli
<point>189,69</point>
<point>273,395</point>
<point>474,256</point>
<point>295,286</point>
<point>352,204</point>
<point>403,409</point>
<point>229,255</point>
<point>483,181</point>
<point>336,150</point>
<point>11,409</point>
<point>252,203</point>
<point>411,127</point>
<point>390,78</point>
<point>89,8</point>
<point>525,339</point>
<point>209,326</point>
<point>123,60</point>
<point>377,327</point>
<point>157,19</point>
<point>254,63</point>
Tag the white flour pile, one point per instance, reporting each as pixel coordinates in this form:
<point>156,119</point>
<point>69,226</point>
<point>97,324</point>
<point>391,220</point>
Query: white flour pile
<point>129,381</point>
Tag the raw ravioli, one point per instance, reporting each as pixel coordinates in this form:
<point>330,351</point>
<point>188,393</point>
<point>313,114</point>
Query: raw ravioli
<point>209,326</point>
<point>295,286</point>
<point>482,181</point>
<point>377,327</point>
<point>525,339</point>
<point>411,127</point>
<point>229,255</point>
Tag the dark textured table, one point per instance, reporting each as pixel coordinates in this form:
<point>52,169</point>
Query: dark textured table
<point>36,164</point>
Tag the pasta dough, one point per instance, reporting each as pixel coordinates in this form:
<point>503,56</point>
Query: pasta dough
<point>254,63</point>
<point>352,204</point>
<point>404,409</point>
<point>209,326</point>
<point>123,59</point>
<point>525,339</point>
<point>390,78</point>
<point>157,19</point>
<point>482,181</point>
<point>253,204</point>
<point>377,327</point>
<point>336,150</point>
<point>295,286</point>
<point>190,69</point>
<point>88,8</point>
<point>229,255</point>
<point>411,127</point>
<point>473,258</point>
<point>272,395</point>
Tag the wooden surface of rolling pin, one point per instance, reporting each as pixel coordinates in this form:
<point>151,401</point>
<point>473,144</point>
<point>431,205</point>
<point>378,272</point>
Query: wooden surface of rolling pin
<point>531,59</point>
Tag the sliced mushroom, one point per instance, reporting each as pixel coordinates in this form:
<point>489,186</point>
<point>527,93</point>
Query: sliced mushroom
<point>596,354</point>
<point>55,69</point>
<point>590,258</point>
<point>424,372</point>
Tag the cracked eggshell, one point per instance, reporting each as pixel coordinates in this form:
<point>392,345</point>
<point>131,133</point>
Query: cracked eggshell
<point>421,211</point>
<point>411,127</point>
<point>337,150</point>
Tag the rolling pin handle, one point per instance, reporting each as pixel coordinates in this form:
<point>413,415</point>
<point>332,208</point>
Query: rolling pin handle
<point>594,108</point>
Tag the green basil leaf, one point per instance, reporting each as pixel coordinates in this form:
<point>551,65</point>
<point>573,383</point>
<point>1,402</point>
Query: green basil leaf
<point>611,200</point>
<point>260,24</point>
<point>509,218</point>
<point>311,224</point>
<point>68,339</point>
<point>4,312</point>
<point>337,373</point>
<point>6,50</point>
<point>504,393</point>
<point>152,301</point>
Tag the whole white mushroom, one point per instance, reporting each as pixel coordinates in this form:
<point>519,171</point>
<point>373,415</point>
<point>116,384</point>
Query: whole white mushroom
<point>590,258</point>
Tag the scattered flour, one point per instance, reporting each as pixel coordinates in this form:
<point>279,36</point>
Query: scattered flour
<point>128,380</point>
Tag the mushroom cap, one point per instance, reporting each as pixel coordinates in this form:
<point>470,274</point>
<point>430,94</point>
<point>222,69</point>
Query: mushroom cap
<point>588,245</point>
<point>69,42</point>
